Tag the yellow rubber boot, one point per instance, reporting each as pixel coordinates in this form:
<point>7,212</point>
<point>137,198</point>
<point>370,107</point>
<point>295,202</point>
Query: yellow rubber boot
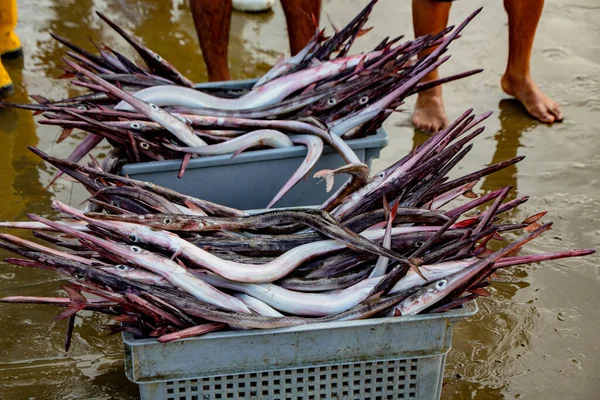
<point>10,45</point>
<point>6,85</point>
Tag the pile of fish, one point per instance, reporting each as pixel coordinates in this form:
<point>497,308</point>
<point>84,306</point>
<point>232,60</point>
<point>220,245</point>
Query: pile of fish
<point>320,96</point>
<point>171,266</point>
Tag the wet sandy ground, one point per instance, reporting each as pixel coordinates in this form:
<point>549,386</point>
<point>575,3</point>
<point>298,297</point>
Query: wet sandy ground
<point>536,337</point>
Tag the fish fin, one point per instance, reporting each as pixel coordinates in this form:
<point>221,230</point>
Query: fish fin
<point>95,162</point>
<point>54,179</point>
<point>374,297</point>
<point>314,20</point>
<point>67,75</point>
<point>417,271</point>
<point>184,163</point>
<point>532,227</point>
<point>125,318</point>
<point>534,218</point>
<point>86,200</point>
<point>74,295</point>
<point>176,254</point>
<point>192,206</point>
<point>363,31</point>
<point>71,311</point>
<point>497,236</point>
<point>514,253</point>
<point>66,132</point>
<point>465,223</point>
<point>394,210</point>
<point>361,65</point>
<point>328,176</point>
<point>484,253</point>
<point>416,261</point>
<point>480,292</point>
<point>332,24</point>
<point>310,88</point>
<point>469,194</point>
<point>280,59</point>
<point>39,99</point>
<point>386,208</point>
<point>471,185</point>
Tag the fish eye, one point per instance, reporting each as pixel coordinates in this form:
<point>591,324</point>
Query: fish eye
<point>134,238</point>
<point>153,106</point>
<point>363,100</point>
<point>331,101</point>
<point>79,277</point>
<point>168,221</point>
<point>419,244</point>
<point>121,267</point>
<point>381,174</point>
<point>157,57</point>
<point>441,284</point>
<point>144,145</point>
<point>135,125</point>
<point>136,249</point>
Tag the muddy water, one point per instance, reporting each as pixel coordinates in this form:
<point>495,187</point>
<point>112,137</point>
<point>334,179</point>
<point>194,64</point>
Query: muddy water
<point>536,337</point>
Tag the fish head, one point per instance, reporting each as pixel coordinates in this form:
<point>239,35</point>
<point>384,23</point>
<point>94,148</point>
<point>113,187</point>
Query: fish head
<point>167,222</point>
<point>325,103</point>
<point>425,297</point>
<point>135,229</point>
<point>143,258</point>
<point>133,273</point>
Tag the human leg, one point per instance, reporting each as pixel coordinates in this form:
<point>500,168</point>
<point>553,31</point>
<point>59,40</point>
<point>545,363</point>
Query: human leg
<point>429,17</point>
<point>523,18</point>
<point>213,20</point>
<point>299,18</point>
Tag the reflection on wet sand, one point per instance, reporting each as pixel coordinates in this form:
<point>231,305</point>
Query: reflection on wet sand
<point>172,40</point>
<point>514,121</point>
<point>61,17</point>
<point>19,178</point>
<point>480,364</point>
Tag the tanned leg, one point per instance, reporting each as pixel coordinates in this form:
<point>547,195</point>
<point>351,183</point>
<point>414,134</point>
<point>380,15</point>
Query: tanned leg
<point>430,17</point>
<point>212,19</point>
<point>523,18</point>
<point>299,17</point>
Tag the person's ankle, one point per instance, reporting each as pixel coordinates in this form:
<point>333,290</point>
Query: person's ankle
<point>514,79</point>
<point>218,77</point>
<point>435,93</point>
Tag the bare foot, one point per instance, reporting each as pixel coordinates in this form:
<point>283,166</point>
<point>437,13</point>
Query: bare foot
<point>535,102</point>
<point>430,115</point>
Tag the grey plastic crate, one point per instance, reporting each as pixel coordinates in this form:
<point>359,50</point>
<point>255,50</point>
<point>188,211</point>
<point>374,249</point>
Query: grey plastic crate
<point>253,178</point>
<point>385,358</point>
